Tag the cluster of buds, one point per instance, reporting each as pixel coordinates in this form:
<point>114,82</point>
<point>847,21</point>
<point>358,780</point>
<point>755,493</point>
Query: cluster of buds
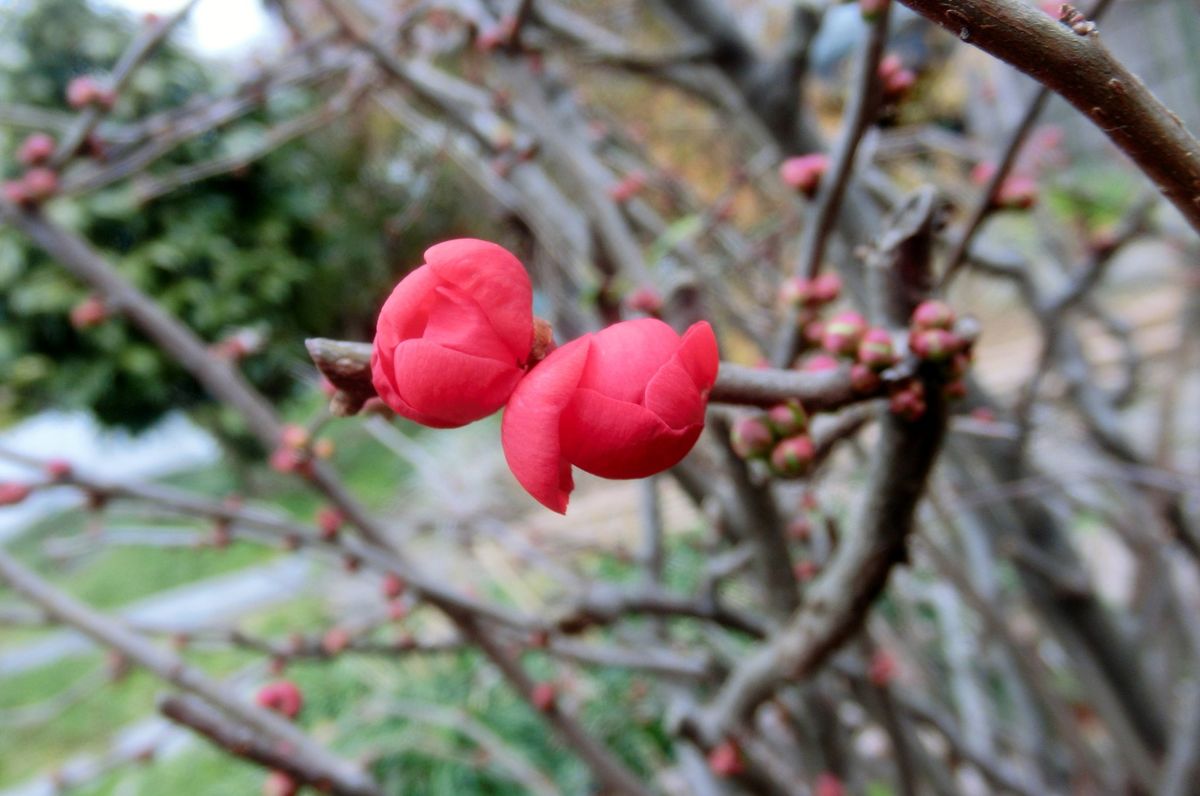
<point>1015,192</point>
<point>779,437</point>
<point>296,451</point>
<point>810,297</point>
<point>932,339</point>
<point>86,90</point>
<point>283,697</point>
<point>895,78</point>
<point>804,172</point>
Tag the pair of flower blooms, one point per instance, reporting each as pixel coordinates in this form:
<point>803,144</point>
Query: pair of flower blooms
<point>453,344</point>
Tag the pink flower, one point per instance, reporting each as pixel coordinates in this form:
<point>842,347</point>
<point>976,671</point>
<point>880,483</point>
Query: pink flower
<point>625,402</point>
<point>454,338</point>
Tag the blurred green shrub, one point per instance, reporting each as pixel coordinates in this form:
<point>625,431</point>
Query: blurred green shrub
<point>306,241</point>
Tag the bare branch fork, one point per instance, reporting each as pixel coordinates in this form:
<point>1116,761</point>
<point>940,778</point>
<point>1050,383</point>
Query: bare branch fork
<point>1073,62</point>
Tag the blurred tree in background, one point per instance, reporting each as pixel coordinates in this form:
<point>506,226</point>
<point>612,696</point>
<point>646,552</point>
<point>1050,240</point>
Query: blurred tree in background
<point>305,241</point>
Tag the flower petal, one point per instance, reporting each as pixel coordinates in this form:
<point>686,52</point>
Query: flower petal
<point>530,431</point>
<point>618,439</point>
<point>383,377</point>
<point>406,310</point>
<point>626,355</point>
<point>432,379</point>
<point>699,355</point>
<point>496,281</point>
<point>672,396</point>
<point>458,323</point>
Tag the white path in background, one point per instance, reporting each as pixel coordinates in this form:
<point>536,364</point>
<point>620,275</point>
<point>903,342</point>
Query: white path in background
<point>209,602</point>
<point>172,445</point>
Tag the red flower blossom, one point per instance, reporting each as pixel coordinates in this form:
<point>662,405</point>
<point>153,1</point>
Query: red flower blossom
<point>453,339</point>
<point>625,402</point>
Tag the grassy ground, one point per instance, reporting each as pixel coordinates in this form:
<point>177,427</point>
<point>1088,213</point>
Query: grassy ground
<point>407,751</point>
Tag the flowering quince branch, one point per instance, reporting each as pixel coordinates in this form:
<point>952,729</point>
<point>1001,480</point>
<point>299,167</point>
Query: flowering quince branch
<point>344,777</point>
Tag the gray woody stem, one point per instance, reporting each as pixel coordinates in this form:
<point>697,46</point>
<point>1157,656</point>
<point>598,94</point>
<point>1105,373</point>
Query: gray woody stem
<point>342,776</point>
<point>1074,63</point>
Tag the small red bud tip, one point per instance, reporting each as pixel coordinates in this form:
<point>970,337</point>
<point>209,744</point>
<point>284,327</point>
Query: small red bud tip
<point>982,172</point>
<point>82,91</point>
<point>40,184</point>
<point>335,640</point>
<point>88,313</point>
<point>933,345</point>
<point>814,332</point>
<point>793,456</point>
<point>870,8</point>
<point>787,419</point>
<point>1017,192</point>
<point>36,149</point>
<point>795,291</point>
<point>895,77</point>
<point>397,610</point>
<point>820,363</point>
<point>908,402</point>
<point>12,493</point>
<point>984,414</point>
<point>875,350</point>
<point>329,520</point>
<point>279,783</point>
<point>863,379</point>
<point>805,570</point>
<point>543,697</point>
<point>751,437</point>
<point>828,784</point>
<point>286,460</point>
<point>725,760</point>
<point>799,530</point>
<point>933,314</point>
<point>539,639</point>
<point>647,300</point>
<point>58,468</point>
<point>14,192</point>
<point>882,669</point>
<point>804,173</point>
<point>393,585</point>
<point>283,697</point>
<point>629,186</point>
<point>826,288</point>
<point>843,333</point>
<point>293,436</point>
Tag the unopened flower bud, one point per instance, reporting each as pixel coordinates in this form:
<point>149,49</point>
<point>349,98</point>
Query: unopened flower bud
<point>751,436</point>
<point>88,313</point>
<point>646,299</point>
<point>393,585</point>
<point>36,149</point>
<point>933,314</point>
<point>882,670</point>
<point>933,345</point>
<point>629,186</point>
<point>826,288</point>
<point>280,783</point>
<point>795,291</point>
<point>12,493</point>
<point>725,759</point>
<point>843,333</point>
<point>819,363</point>
<point>793,456</point>
<point>543,697</point>
<point>875,350</point>
<point>828,784</point>
<point>787,419</point>
<point>40,184</point>
<point>804,173</point>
